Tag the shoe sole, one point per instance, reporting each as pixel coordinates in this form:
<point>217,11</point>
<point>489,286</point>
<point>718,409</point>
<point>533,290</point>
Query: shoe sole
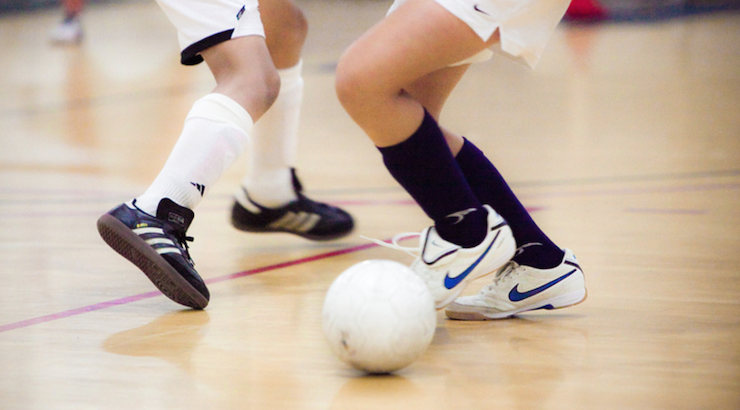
<point>166,278</point>
<point>505,249</point>
<point>246,228</point>
<point>464,312</point>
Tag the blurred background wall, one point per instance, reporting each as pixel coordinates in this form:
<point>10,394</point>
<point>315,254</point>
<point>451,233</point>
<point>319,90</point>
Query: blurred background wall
<point>612,9</point>
<point>643,9</point>
<point>9,6</point>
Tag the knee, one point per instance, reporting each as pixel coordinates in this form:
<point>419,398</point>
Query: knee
<point>257,91</point>
<point>243,69</point>
<point>351,84</point>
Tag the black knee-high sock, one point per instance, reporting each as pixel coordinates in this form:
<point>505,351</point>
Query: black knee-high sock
<point>425,167</point>
<point>489,186</point>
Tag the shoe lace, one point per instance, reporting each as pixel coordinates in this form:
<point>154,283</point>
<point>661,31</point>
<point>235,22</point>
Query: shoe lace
<point>393,244</point>
<point>183,240</point>
<point>507,271</point>
<point>503,275</point>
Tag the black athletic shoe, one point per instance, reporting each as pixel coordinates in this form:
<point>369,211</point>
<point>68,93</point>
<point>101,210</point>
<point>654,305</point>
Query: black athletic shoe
<point>303,217</point>
<point>157,246</point>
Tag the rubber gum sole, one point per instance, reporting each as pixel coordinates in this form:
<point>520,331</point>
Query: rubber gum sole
<point>129,245</point>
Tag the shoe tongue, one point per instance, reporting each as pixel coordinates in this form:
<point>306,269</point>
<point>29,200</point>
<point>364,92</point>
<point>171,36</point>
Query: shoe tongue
<point>435,249</point>
<point>175,214</point>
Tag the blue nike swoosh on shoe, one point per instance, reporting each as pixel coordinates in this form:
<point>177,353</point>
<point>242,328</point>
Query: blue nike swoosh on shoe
<point>516,296</point>
<point>452,282</point>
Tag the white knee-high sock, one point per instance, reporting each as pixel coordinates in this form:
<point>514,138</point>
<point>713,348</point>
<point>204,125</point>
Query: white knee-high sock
<point>215,133</point>
<point>274,142</point>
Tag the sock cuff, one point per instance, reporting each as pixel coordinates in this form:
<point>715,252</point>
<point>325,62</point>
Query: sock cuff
<point>426,140</point>
<point>291,77</point>
<point>466,147</point>
<point>469,155</point>
<point>220,108</point>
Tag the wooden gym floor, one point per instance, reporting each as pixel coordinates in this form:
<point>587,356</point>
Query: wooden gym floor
<point>624,143</point>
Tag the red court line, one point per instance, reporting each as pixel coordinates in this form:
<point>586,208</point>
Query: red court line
<point>135,298</point>
<point>148,295</point>
<point>291,263</point>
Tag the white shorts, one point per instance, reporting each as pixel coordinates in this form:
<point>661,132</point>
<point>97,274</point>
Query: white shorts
<point>525,26</point>
<point>202,24</point>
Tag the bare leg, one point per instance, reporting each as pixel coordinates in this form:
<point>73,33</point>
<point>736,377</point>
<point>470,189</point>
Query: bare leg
<point>269,191</point>
<point>245,73</point>
<point>417,39</point>
<point>285,31</point>
<point>432,91</point>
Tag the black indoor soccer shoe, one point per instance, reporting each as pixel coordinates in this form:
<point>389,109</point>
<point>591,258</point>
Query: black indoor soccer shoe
<point>303,217</point>
<point>157,246</point>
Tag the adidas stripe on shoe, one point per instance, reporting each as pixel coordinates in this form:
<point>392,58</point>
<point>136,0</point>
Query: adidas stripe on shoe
<point>303,217</point>
<point>157,246</point>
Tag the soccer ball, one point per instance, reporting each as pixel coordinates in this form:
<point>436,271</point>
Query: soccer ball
<point>379,316</point>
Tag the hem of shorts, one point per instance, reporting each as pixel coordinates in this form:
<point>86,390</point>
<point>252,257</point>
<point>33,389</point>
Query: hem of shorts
<point>515,51</point>
<point>191,54</point>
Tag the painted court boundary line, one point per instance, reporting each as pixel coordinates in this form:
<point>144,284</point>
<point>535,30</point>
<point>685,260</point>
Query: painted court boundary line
<point>148,295</point>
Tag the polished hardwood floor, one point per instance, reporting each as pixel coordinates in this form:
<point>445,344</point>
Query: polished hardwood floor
<point>624,143</point>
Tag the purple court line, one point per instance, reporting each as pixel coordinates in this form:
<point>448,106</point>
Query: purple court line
<point>375,202</point>
<point>148,295</point>
<point>560,194</point>
<point>637,191</point>
<point>667,211</point>
<point>85,214</point>
<point>97,213</point>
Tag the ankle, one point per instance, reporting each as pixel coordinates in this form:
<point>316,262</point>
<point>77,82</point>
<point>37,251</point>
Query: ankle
<point>468,231</point>
<point>538,255</point>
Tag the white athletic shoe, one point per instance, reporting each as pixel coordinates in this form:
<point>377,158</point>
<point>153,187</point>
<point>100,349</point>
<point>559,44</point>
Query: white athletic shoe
<point>448,268</point>
<point>519,288</point>
<point>67,32</point>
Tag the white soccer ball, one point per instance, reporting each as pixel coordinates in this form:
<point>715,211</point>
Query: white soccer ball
<point>379,316</point>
